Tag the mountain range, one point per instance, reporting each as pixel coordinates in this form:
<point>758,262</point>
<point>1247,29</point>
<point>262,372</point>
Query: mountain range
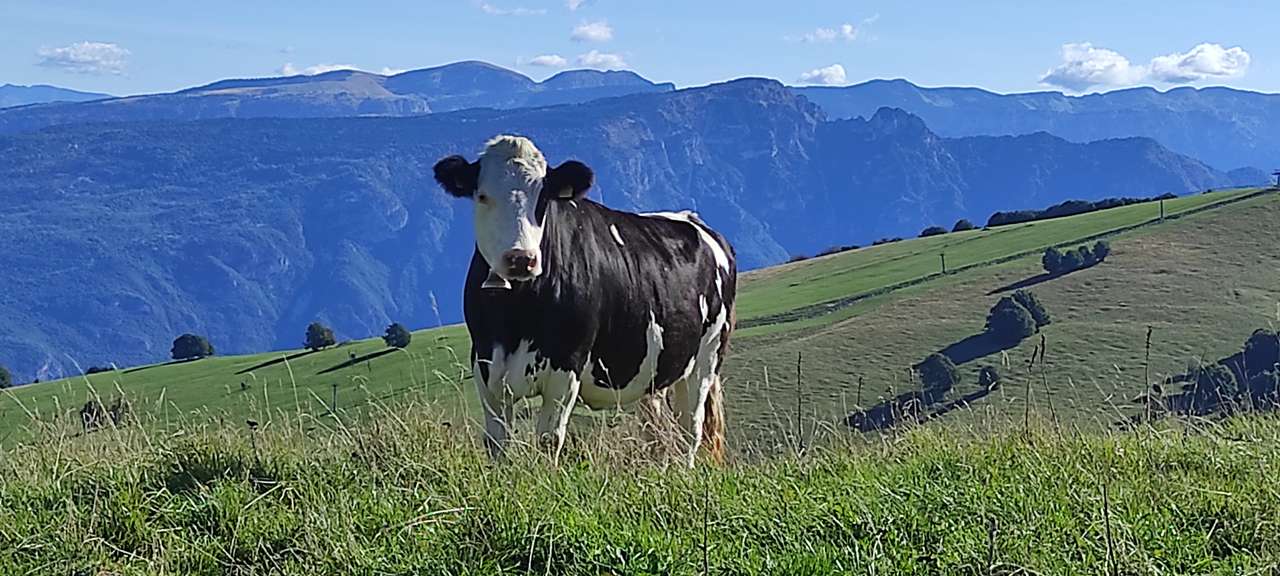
<point>17,95</point>
<point>341,93</point>
<point>119,236</point>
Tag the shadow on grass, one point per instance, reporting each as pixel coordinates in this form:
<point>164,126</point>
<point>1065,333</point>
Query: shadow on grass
<point>169,363</point>
<point>974,347</point>
<point>352,362</point>
<point>275,361</point>
<point>1025,283</point>
<point>910,407</point>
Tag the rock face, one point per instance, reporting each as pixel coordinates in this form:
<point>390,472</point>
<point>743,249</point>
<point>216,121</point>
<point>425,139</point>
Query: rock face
<point>118,237</point>
<point>343,93</point>
<point>1223,127</point>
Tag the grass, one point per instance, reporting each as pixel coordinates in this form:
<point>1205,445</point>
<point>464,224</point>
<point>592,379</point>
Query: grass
<point>867,314</point>
<point>406,495</point>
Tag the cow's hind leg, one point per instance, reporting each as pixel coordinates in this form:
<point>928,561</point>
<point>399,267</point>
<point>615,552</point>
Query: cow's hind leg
<point>559,393</point>
<point>655,423</point>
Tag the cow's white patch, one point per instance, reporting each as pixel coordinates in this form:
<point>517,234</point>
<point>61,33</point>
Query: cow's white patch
<point>604,396</point>
<point>616,236</point>
<point>717,251</point>
<point>702,308</point>
<point>506,200</point>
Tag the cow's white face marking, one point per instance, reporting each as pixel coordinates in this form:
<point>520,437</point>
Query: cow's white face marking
<point>506,205</point>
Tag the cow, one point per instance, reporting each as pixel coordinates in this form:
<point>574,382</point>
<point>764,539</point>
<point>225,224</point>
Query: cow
<point>572,301</point>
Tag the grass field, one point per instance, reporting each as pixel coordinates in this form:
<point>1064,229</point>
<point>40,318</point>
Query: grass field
<point>866,314</point>
<point>404,495</point>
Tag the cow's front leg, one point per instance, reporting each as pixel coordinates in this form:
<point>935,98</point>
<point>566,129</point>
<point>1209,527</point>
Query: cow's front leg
<point>559,393</point>
<point>498,405</point>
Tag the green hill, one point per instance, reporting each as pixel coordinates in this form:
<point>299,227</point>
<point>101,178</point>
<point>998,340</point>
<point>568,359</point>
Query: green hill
<point>1202,279</point>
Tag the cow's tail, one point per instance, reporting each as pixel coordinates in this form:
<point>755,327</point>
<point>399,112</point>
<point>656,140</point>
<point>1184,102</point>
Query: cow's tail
<point>713,425</point>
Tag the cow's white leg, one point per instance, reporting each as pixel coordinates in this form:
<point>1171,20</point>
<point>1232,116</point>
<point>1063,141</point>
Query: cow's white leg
<point>498,407</point>
<point>654,422</point>
<point>684,402</point>
<point>559,393</point>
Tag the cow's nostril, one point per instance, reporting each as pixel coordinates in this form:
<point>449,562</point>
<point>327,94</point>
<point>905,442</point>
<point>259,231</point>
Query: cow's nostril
<point>520,262</point>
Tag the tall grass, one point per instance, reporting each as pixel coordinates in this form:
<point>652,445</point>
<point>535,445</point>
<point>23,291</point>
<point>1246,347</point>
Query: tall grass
<point>408,491</point>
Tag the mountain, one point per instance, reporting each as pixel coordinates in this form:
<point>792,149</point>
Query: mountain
<point>120,236</point>
<point>1223,127</point>
<point>16,95</point>
<point>343,93</point>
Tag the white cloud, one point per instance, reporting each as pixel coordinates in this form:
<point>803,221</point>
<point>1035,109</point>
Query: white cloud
<point>1084,66</point>
<point>290,70</point>
<point>830,75</point>
<point>86,58</point>
<point>825,35</point>
<point>603,60</point>
<point>592,32</point>
<point>1204,62</point>
<point>546,61</point>
<point>488,8</point>
<point>574,4</point>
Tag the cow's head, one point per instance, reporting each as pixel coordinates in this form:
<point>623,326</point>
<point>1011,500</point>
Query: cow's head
<point>512,187</point>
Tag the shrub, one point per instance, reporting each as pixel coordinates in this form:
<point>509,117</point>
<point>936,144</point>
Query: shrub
<point>886,241</point>
<point>838,249</point>
<point>6,379</point>
<point>191,346</point>
<point>933,231</point>
<point>938,374</point>
<point>99,369</point>
<point>798,258</point>
<point>397,336</point>
<point>1029,301</point>
<point>1261,351</point>
<point>988,377</point>
<point>1214,384</point>
<point>1071,260</point>
<point>1052,260</point>
<point>1101,250</point>
<point>963,225</point>
<point>1009,322</point>
<point>1264,384</point>
<point>319,336</point>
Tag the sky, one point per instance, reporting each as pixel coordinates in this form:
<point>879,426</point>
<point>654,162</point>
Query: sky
<point>1077,46</point>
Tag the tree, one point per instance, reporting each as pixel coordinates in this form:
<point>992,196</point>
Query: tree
<point>988,377</point>
<point>1086,257</point>
<point>1029,301</point>
<point>1071,260</point>
<point>319,336</point>
<point>397,336</point>
<point>191,346</point>
<point>963,225</point>
<point>1261,351</point>
<point>6,379</point>
<point>938,374</point>
<point>1052,260</point>
<point>1101,250</point>
<point>1263,386</point>
<point>932,231</point>
<point>1009,322</point>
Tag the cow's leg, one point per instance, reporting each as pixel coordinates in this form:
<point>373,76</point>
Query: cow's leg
<point>498,407</point>
<point>559,393</point>
<point>655,422</point>
<point>686,402</point>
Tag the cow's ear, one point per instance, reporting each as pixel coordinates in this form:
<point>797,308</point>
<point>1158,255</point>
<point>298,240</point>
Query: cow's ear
<point>457,176</point>
<point>569,181</point>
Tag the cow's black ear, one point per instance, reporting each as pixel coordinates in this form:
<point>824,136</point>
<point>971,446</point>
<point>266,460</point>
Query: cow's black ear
<point>569,181</point>
<point>457,176</point>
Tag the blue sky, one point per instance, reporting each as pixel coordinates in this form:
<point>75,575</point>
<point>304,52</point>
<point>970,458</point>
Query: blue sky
<point>138,46</point>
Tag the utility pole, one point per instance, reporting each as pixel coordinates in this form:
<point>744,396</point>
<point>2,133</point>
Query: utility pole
<point>1162,209</point>
<point>944,262</point>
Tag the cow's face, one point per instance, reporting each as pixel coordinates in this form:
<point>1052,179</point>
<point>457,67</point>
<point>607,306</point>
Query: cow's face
<point>511,187</point>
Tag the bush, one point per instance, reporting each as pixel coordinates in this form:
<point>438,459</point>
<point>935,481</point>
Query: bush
<point>797,258</point>
<point>397,336</point>
<point>1264,384</point>
<point>1101,250</point>
<point>1086,256</point>
<point>938,374</point>
<point>963,225</point>
<point>988,377</point>
<point>1009,322</point>
<point>1214,384</point>
<point>6,379</point>
<point>1029,301</point>
<point>838,249</point>
<point>933,231</point>
<point>1052,260</point>
<point>99,369</point>
<point>191,346</point>
<point>886,241</point>
<point>1261,351</point>
<point>1071,260</point>
<point>319,336</point>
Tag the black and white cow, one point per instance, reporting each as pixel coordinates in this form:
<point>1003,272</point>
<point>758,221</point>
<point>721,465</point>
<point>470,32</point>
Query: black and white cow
<point>572,301</point>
